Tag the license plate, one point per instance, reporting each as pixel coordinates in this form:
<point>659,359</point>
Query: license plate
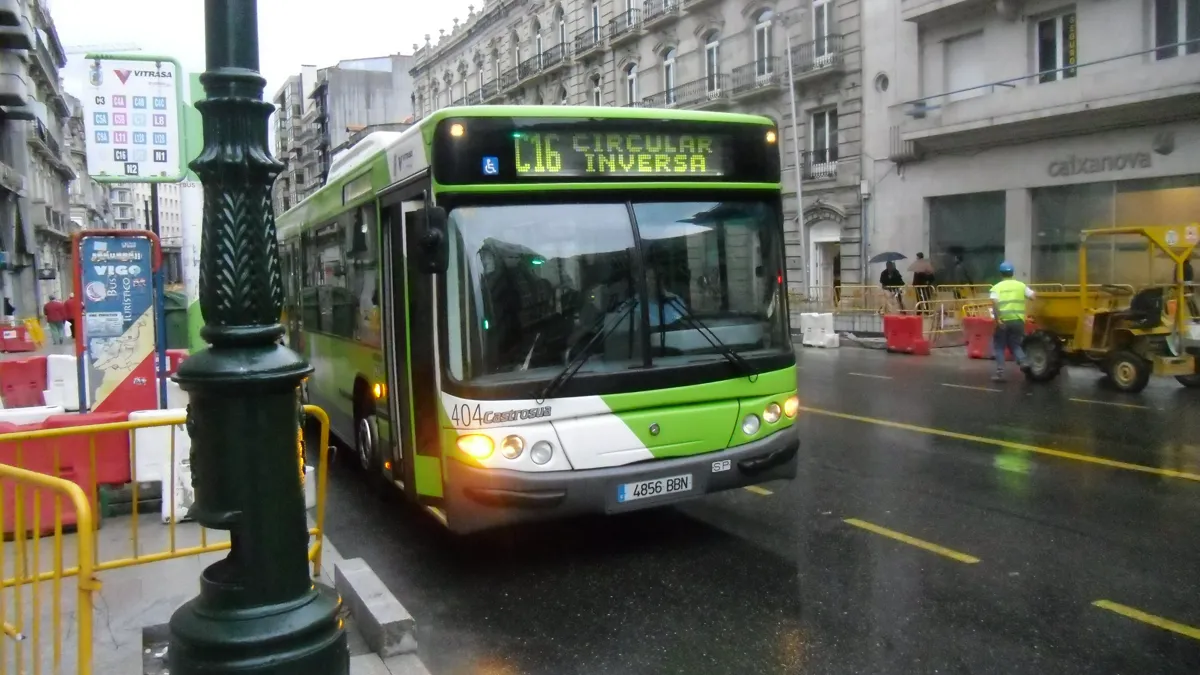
<point>654,488</point>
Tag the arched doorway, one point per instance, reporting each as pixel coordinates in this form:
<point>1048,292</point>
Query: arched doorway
<point>824,224</point>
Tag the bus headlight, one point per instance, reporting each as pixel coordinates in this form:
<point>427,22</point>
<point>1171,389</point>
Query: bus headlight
<point>512,447</point>
<point>541,452</point>
<point>476,445</point>
<point>771,413</point>
<point>791,406</point>
<point>750,424</point>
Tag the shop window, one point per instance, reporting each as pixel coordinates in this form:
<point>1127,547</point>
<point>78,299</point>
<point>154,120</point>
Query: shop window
<point>1057,47</point>
<point>970,227</point>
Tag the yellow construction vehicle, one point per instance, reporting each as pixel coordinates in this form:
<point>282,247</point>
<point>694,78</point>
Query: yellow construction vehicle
<point>1130,335</point>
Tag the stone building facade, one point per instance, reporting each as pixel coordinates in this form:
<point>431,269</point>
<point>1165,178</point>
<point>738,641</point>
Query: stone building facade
<point>728,55</point>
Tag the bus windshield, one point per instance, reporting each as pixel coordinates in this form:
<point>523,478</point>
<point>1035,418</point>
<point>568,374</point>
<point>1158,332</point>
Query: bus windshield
<point>529,286</point>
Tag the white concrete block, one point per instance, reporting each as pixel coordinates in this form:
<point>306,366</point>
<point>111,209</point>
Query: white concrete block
<point>176,396</point>
<point>832,341</point>
<point>310,487</point>
<point>62,375</point>
<point>30,415</point>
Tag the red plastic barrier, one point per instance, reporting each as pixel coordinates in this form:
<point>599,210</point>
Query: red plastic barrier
<point>174,358</point>
<point>978,330</point>
<point>16,339</point>
<point>35,455</point>
<point>112,448</point>
<point>22,381</point>
<point>903,334</point>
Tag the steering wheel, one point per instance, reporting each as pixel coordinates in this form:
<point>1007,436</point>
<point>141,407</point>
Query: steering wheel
<point>1114,289</point>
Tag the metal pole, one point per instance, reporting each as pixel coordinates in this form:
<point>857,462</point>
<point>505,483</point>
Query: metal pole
<point>258,612</point>
<point>796,158</point>
<point>160,298</point>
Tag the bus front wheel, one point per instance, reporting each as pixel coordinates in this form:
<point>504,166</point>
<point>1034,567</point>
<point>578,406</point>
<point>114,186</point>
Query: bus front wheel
<point>366,443</point>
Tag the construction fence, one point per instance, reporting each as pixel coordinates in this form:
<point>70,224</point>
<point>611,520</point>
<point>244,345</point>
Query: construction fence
<point>53,500</point>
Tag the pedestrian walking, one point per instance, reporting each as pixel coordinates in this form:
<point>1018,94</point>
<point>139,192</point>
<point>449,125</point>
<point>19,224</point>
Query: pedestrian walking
<point>1009,297</point>
<point>922,278</point>
<point>893,283</point>
<point>56,316</point>
<point>9,310</point>
<point>72,308</point>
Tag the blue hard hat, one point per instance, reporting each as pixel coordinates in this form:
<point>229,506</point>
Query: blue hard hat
<point>1006,267</point>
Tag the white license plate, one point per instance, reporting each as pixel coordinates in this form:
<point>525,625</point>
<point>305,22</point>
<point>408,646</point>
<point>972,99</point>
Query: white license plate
<point>654,488</point>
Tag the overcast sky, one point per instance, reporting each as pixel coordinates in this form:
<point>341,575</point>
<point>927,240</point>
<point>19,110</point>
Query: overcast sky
<point>291,32</point>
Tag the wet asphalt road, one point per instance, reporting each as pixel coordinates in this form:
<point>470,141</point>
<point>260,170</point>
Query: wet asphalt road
<point>1041,502</point>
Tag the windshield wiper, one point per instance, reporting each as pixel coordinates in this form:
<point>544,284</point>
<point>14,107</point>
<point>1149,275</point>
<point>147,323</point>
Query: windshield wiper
<point>733,357</point>
<point>576,362</point>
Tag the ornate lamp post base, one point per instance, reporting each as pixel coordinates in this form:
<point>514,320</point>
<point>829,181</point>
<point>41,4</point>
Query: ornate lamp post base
<point>258,612</point>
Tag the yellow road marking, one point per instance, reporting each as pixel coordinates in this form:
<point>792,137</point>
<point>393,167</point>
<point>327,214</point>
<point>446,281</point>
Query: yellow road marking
<point>967,386</point>
<point>1061,454</point>
<point>758,490</point>
<point>913,541</point>
<point>878,377</point>
<point>1156,621</point>
<point>1118,405</point>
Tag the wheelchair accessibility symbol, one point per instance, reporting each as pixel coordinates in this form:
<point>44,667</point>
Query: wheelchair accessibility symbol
<point>491,166</point>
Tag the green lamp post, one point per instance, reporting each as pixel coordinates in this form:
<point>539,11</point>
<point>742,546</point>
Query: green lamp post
<point>258,611</point>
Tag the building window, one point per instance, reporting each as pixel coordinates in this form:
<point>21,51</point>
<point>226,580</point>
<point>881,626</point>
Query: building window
<point>1056,47</point>
<point>562,96</point>
<point>824,141</point>
<point>631,84</point>
<point>1176,22</point>
<point>480,73</point>
<point>762,43</point>
<point>516,50</point>
<point>537,41</point>
<point>712,62</point>
<point>965,67</point>
<point>562,27</point>
<point>597,91</point>
<point>820,16</point>
<point>496,65</point>
<point>669,75</point>
<point>595,21</point>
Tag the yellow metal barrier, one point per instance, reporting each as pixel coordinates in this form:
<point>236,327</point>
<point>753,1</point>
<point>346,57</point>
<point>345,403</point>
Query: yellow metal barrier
<point>28,571</point>
<point>33,328</point>
<point>21,510</point>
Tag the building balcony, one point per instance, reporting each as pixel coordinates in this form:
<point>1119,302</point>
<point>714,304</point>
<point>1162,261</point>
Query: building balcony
<point>703,94</point>
<point>556,58</point>
<point>529,68</point>
<point>509,78</point>
<point>693,5</point>
<point>657,13</point>
<point>13,90</point>
<point>816,59</point>
<point>819,164</point>
<point>474,97</point>
<point>17,34</point>
<point>10,12</point>
<point>921,11</point>
<point>760,77</point>
<point>625,27</point>
<point>588,41</point>
<point>11,179</point>
<point>487,92</point>
<point>1131,90</point>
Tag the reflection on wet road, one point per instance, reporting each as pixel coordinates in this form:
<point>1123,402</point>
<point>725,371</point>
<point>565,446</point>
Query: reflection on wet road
<point>940,523</point>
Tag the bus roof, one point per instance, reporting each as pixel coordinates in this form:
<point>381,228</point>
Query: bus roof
<point>387,157</point>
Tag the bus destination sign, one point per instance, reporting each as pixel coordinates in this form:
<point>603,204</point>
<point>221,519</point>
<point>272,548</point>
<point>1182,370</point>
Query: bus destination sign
<point>619,154</point>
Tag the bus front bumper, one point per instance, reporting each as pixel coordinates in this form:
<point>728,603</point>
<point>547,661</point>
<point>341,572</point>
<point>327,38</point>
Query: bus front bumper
<point>480,499</point>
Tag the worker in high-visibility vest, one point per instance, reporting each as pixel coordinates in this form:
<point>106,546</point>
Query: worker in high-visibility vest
<point>1009,297</point>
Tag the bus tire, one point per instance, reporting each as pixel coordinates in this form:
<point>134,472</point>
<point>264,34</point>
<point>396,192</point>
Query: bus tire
<point>366,443</point>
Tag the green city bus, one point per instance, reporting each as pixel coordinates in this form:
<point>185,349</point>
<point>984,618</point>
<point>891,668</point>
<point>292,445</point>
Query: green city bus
<point>518,313</point>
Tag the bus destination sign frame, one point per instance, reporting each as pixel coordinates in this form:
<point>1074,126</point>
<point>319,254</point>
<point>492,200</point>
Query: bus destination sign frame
<point>470,151</point>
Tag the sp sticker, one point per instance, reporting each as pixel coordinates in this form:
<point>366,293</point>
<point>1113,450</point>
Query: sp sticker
<point>723,465</point>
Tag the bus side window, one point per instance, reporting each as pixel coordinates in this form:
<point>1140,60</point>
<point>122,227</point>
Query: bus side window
<point>363,271</point>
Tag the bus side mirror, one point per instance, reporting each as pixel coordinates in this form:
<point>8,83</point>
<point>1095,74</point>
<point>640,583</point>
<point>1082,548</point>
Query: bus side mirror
<point>432,249</point>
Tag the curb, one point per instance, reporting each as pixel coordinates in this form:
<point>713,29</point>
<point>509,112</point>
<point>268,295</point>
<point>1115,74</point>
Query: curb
<point>385,624</point>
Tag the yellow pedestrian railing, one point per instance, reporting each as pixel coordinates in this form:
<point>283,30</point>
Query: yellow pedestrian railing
<point>27,500</point>
<point>33,328</point>
<point>40,462</point>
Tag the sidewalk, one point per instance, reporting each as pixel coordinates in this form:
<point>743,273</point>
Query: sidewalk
<point>136,598</point>
<point>47,348</point>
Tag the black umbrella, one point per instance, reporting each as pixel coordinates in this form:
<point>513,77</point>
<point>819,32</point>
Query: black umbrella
<point>889,256</point>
